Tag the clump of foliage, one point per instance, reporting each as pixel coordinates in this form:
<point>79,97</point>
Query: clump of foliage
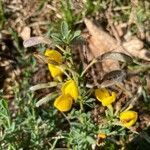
<point>63,118</point>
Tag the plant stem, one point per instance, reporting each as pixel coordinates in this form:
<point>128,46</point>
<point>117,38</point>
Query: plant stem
<point>89,65</point>
<point>60,48</point>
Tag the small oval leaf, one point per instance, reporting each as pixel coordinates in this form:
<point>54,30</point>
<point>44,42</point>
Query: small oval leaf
<point>47,98</point>
<point>43,85</point>
<point>64,29</point>
<point>117,56</point>
<point>112,78</point>
<point>35,41</point>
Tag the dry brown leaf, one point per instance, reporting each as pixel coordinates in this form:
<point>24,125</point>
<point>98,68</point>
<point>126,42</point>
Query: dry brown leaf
<point>134,47</point>
<point>110,65</point>
<point>120,27</point>
<point>25,33</point>
<point>101,42</point>
<point>36,40</point>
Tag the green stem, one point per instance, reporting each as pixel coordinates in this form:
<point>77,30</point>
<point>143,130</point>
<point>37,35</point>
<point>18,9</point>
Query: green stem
<point>66,117</point>
<point>81,104</point>
<point>110,108</point>
<point>64,68</point>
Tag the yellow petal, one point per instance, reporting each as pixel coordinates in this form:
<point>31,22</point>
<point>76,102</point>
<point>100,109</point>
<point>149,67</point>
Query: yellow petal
<point>54,55</point>
<point>109,100</point>
<point>55,70</point>
<point>128,118</point>
<point>105,97</point>
<point>101,94</point>
<point>63,103</point>
<point>102,135</point>
<point>70,88</point>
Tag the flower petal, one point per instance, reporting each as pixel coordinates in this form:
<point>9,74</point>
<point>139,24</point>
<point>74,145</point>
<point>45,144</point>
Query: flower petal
<point>55,70</point>
<point>108,100</point>
<point>63,103</point>
<point>128,118</point>
<point>70,88</point>
<point>101,94</point>
<point>105,97</point>
<point>102,135</point>
<point>54,55</point>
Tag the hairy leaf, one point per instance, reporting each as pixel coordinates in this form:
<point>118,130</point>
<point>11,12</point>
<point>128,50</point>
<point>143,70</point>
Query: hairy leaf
<point>112,78</point>
<point>42,86</point>
<point>47,98</point>
<point>35,41</point>
<point>117,56</point>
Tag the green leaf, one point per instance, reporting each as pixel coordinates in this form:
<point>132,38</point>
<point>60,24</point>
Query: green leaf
<point>68,11</point>
<point>76,34</point>
<point>64,29</point>
<point>56,37</point>
<point>90,140</point>
<point>4,104</point>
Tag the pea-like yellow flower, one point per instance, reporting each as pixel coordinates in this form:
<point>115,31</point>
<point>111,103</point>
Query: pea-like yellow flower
<point>69,92</point>
<point>55,70</point>
<point>101,139</point>
<point>128,118</point>
<point>104,96</point>
<point>70,88</point>
<point>54,55</point>
<point>102,135</point>
<point>63,103</point>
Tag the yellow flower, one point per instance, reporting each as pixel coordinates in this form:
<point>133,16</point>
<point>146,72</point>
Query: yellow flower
<point>70,88</point>
<point>102,135</point>
<point>104,96</point>
<point>69,92</point>
<point>55,70</point>
<point>54,55</point>
<point>128,118</point>
<point>101,139</point>
<point>63,103</point>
